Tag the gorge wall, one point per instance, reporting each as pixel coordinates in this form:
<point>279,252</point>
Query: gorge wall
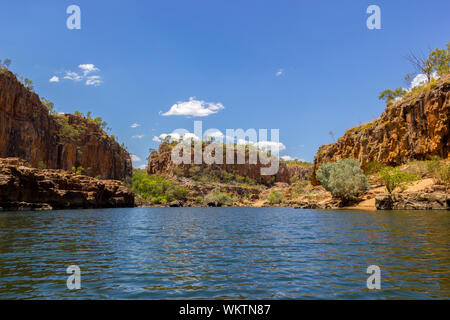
<point>29,132</point>
<point>159,162</point>
<point>416,127</point>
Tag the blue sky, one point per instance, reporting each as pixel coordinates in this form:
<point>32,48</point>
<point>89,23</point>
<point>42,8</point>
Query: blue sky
<point>152,54</point>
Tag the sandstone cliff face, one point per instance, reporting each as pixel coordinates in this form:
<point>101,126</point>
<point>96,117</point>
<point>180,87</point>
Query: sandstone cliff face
<point>159,162</point>
<point>28,131</point>
<point>413,128</point>
<point>26,188</point>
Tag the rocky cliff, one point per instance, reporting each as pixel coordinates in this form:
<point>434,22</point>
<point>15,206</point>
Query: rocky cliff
<point>28,131</point>
<point>26,188</point>
<point>159,162</point>
<point>416,127</point>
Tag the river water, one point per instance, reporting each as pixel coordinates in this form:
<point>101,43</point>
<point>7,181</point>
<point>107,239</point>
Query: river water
<point>224,253</point>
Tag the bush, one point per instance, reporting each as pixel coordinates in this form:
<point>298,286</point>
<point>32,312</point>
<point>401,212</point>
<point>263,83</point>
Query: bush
<point>343,178</point>
<point>372,167</point>
<point>275,197</point>
<point>299,187</point>
<point>218,197</point>
<point>156,189</point>
<point>78,170</point>
<point>439,170</point>
<point>394,177</point>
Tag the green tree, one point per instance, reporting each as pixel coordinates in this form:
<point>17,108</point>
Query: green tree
<point>6,62</point>
<point>219,198</point>
<point>28,84</point>
<point>438,61</point>
<point>275,197</point>
<point>49,105</point>
<point>343,178</point>
<point>389,95</point>
<point>394,178</point>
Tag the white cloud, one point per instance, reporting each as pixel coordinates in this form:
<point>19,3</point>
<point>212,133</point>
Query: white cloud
<point>93,81</point>
<point>142,166</point>
<point>88,68</point>
<point>73,76</point>
<point>214,133</point>
<point>194,108</point>
<point>287,158</point>
<point>54,79</point>
<point>138,136</point>
<point>279,72</point>
<point>270,145</point>
<point>135,158</point>
<point>135,125</point>
<point>421,78</point>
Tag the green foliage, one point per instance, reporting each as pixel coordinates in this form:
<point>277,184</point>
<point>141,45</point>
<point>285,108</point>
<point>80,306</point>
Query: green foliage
<point>28,84</point>
<point>66,130</point>
<point>216,174</point>
<point>41,165</point>
<point>394,178</point>
<point>343,178</point>
<point>439,170</point>
<point>439,59</point>
<point>299,187</point>
<point>275,197</point>
<point>218,197</point>
<point>49,105</point>
<point>78,170</point>
<point>156,189</point>
<point>6,63</point>
<point>372,167</point>
<point>390,95</point>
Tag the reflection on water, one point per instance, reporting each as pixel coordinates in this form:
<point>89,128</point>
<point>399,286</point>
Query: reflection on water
<point>221,253</point>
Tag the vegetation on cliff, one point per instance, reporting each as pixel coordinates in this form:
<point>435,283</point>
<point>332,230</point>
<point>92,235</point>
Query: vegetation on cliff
<point>35,132</point>
<point>436,65</point>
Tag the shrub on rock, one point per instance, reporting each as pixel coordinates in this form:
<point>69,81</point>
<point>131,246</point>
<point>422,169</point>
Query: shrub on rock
<point>343,178</point>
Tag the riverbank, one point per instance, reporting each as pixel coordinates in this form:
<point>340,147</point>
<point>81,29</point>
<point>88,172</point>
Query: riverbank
<point>425,193</point>
<point>25,188</point>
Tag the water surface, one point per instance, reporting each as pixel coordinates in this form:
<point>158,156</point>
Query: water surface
<point>224,253</point>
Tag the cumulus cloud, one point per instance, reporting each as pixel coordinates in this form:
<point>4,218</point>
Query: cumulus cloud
<point>70,75</point>
<point>138,136</point>
<point>214,133</point>
<point>135,158</point>
<point>93,81</point>
<point>142,166</point>
<point>421,79</point>
<point>54,79</point>
<point>194,108</point>
<point>270,145</point>
<point>86,70</point>
<point>287,158</point>
<point>279,72</point>
<point>135,125</point>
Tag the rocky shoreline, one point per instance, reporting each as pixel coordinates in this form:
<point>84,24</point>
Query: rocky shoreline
<point>25,188</point>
